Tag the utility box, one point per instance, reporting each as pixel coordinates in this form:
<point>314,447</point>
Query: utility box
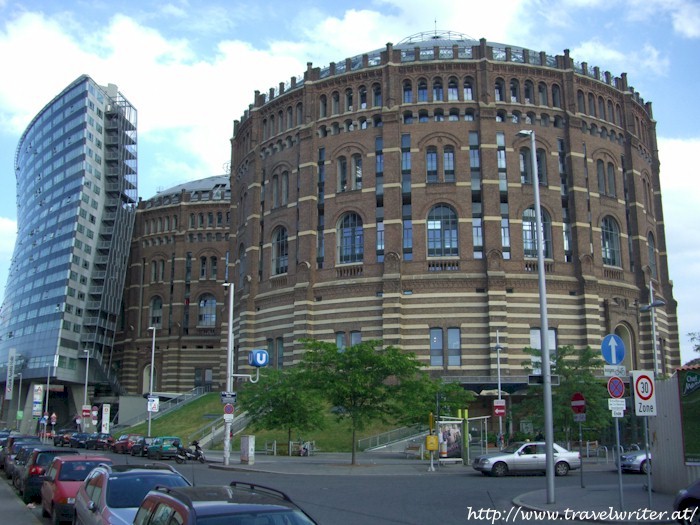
<point>247,450</point>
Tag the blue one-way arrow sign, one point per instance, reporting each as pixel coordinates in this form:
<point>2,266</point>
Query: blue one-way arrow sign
<point>613,349</point>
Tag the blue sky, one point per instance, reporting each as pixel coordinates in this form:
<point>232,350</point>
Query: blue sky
<point>191,68</point>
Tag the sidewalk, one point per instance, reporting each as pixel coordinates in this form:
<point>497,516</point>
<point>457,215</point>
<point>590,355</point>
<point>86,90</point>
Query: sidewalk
<point>13,510</point>
<point>603,500</point>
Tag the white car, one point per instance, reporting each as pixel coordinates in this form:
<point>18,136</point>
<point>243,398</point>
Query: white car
<point>525,457</point>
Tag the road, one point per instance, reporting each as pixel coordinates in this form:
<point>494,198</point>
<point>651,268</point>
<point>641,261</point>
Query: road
<point>452,494</point>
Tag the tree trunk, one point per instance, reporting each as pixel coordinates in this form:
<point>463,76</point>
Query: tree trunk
<point>354,446</point>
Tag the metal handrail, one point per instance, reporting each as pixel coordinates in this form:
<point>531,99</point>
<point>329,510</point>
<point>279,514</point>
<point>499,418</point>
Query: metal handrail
<point>166,407</point>
<point>392,436</point>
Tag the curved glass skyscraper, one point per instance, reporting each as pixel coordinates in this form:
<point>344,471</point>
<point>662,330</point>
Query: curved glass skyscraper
<point>76,169</point>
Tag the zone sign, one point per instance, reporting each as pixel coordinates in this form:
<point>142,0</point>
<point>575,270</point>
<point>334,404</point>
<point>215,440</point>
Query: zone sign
<point>644,393</point>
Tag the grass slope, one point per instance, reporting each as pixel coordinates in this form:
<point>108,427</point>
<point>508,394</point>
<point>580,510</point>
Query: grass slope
<point>185,421</point>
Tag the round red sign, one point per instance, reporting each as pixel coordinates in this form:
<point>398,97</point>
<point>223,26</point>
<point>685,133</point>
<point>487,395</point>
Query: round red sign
<point>578,403</point>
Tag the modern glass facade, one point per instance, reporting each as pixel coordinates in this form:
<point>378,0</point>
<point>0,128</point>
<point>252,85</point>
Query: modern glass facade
<point>76,170</point>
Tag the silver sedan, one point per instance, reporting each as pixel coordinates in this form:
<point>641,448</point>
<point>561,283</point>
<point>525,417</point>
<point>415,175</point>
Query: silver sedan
<point>526,457</point>
<point>635,461</point>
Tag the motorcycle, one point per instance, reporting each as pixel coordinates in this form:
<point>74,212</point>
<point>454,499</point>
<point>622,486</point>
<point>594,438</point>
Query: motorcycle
<point>185,454</point>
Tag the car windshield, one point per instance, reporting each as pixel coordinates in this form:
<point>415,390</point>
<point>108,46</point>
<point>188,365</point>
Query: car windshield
<point>77,470</point>
<point>128,491</point>
<point>280,517</point>
<point>512,448</point>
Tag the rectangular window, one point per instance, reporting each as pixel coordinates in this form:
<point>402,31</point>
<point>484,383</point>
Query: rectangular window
<point>380,237</point>
<point>431,165</point>
<point>355,338</point>
<point>436,358</point>
<point>448,164</point>
<point>454,347</point>
<point>340,341</point>
<point>536,343</point>
<point>280,352</point>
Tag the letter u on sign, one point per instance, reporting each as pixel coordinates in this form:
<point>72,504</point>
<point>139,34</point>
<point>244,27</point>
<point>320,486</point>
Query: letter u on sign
<point>258,358</point>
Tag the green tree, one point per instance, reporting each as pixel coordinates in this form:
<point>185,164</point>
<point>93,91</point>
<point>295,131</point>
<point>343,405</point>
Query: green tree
<point>575,369</point>
<point>278,401</point>
<point>418,399</point>
<point>362,382</point>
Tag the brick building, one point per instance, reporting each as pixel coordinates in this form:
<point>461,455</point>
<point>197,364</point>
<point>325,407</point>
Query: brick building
<point>389,196</point>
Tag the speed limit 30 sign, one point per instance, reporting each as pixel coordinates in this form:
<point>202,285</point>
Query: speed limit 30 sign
<point>644,393</point>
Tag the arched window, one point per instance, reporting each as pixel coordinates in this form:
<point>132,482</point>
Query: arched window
<point>202,267</point>
<point>652,256</point>
<point>600,171</point>
<point>530,237</point>
<point>422,90</point>
<point>335,103</point>
<point>580,102</point>
<point>601,108</point>
<point>284,190</point>
<point>200,220</point>
<point>154,271</point>
<point>242,263</point>
<point>438,94</point>
<point>611,113</point>
<point>542,166</point>
<point>213,267</point>
<point>591,105</point>
<point>207,310</point>
<point>611,180</point>
<point>525,166</point>
<point>431,164</point>
<point>452,89</point>
<point>407,117</point>
<point>448,164</point>
<point>323,107</point>
<point>468,90</point>
<point>514,90</point>
<point>454,115</point>
<point>275,191</point>
<point>342,167</point>
<point>423,116</point>
<point>377,95</point>
<point>191,220</point>
<point>442,232</point>
<point>356,172</point>
<point>300,114</point>
<point>610,237</point>
<point>439,115</point>
<point>407,92</point>
<point>156,312</point>
<point>556,95</point>
<point>350,239</point>
<point>280,251</point>
<point>348,100</point>
<point>499,90</point>
<point>542,94</point>
<point>362,93</point>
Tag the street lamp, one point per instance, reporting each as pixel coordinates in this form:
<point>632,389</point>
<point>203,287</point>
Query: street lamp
<point>498,368</point>
<point>650,308</point>
<point>544,323</point>
<point>19,398</point>
<point>229,371</point>
<point>153,362</point>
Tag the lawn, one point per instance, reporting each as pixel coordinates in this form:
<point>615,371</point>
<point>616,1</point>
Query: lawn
<point>185,421</point>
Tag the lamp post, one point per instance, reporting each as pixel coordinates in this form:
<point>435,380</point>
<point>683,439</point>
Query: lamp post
<point>229,372</point>
<point>153,362</point>
<point>544,323</point>
<point>85,395</point>
<point>19,398</point>
<point>653,304</point>
<point>498,368</point>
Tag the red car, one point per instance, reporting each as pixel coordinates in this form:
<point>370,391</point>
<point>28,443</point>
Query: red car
<point>63,479</point>
<point>125,442</point>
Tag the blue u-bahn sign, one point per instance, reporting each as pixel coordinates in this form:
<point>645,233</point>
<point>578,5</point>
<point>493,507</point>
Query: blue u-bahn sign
<point>258,358</point>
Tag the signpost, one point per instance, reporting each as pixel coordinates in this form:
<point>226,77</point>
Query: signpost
<point>499,407</point>
<point>578,406</point>
<point>644,386</point>
<point>613,349</point>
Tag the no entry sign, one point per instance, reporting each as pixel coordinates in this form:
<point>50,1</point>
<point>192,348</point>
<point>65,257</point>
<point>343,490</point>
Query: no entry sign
<point>578,403</point>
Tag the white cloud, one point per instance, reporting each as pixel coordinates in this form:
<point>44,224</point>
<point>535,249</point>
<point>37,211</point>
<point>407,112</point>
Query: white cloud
<point>680,197</point>
<point>683,14</point>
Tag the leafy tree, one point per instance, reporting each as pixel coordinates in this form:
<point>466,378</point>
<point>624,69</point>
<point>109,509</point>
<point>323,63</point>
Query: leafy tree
<point>419,398</point>
<point>575,369</point>
<point>361,382</point>
<point>277,401</point>
<point>695,339</point>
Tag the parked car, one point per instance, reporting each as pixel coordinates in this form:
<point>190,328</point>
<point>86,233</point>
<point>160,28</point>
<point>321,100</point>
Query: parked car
<point>635,461</point>
<point>236,503</point>
<point>6,449</point>
<point>22,451</point>
<point>163,447</point>
<point>124,443</point>
<point>521,457</point>
<point>62,481</point>
<point>10,451</point>
<point>140,447</point>
<point>112,494</point>
<point>99,441</point>
<point>30,473</point>
<point>62,437</point>
<point>688,501</point>
<point>78,439</point>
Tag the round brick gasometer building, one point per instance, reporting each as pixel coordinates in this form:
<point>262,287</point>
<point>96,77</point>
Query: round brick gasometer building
<point>390,197</point>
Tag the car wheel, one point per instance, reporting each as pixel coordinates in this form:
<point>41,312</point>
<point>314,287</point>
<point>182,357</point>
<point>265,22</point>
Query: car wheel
<point>561,468</point>
<point>690,510</point>
<point>645,467</point>
<point>500,469</point>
